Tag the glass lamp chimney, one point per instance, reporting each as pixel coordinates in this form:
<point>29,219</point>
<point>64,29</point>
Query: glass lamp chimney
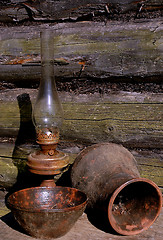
<point>47,113</point>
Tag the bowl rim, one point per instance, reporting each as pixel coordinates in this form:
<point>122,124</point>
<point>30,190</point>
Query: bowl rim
<point>46,209</point>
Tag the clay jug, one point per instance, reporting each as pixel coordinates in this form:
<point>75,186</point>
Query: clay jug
<point>108,174</point>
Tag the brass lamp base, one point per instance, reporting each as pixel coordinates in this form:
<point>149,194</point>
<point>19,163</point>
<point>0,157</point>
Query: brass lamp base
<point>48,162</point>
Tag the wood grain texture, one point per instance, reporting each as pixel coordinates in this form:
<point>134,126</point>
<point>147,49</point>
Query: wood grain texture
<point>47,10</point>
<point>13,162</point>
<point>132,119</point>
<point>85,49</point>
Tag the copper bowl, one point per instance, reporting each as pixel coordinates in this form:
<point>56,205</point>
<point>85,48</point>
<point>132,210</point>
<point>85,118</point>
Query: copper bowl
<point>47,212</point>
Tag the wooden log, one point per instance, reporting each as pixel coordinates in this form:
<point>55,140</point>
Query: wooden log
<point>132,119</point>
<point>14,172</point>
<point>47,10</point>
<point>86,49</point>
<point>150,165</point>
<point>8,173</point>
<point>13,162</point>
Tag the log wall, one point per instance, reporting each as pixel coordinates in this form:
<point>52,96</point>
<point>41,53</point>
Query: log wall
<point>14,11</point>
<point>132,119</point>
<point>110,50</point>
<point>100,50</point>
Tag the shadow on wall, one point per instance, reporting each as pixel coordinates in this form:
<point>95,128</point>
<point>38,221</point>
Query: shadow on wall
<point>25,143</point>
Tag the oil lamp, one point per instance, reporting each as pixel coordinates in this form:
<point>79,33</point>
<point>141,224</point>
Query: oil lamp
<point>47,117</point>
<point>36,209</point>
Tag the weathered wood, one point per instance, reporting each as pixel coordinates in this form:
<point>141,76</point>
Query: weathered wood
<point>132,119</point>
<point>13,168</point>
<point>17,11</point>
<point>150,165</point>
<point>85,49</point>
<point>8,173</point>
<point>13,162</point>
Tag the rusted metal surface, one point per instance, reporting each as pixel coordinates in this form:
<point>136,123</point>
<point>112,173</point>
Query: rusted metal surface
<point>47,212</point>
<point>40,163</point>
<point>82,230</point>
<point>48,161</point>
<point>117,195</point>
<point>48,183</point>
<point>47,136</point>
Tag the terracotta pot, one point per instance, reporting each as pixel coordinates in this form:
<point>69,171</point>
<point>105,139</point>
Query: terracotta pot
<point>108,174</point>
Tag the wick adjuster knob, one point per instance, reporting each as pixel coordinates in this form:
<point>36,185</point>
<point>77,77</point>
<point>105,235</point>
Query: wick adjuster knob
<point>51,152</point>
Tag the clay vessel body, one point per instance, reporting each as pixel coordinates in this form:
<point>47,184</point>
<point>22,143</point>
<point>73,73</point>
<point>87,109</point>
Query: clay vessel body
<point>108,174</point>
